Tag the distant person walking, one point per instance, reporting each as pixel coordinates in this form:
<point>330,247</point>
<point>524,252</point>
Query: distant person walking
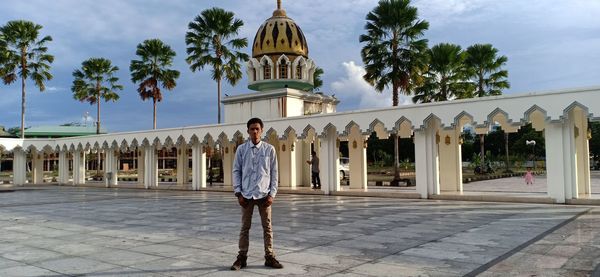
<point>255,184</point>
<point>314,162</point>
<point>529,177</point>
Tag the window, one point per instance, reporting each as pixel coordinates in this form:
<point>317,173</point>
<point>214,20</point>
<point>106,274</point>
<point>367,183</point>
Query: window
<point>298,72</point>
<point>267,68</point>
<point>283,70</point>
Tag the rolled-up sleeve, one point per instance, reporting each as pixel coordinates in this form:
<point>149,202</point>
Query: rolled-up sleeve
<point>274,173</point>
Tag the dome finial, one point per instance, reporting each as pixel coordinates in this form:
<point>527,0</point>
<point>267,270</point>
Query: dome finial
<point>279,12</point>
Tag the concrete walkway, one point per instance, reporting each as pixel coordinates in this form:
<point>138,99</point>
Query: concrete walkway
<point>66,231</point>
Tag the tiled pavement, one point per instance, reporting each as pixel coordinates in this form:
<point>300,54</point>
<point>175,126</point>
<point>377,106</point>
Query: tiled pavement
<point>56,231</point>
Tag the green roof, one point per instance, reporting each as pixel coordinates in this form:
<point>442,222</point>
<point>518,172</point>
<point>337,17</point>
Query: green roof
<point>61,131</point>
<point>4,133</point>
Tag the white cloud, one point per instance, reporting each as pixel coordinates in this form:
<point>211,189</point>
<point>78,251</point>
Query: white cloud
<point>352,87</point>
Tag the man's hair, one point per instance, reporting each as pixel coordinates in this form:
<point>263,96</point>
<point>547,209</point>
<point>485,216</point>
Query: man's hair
<point>253,121</point>
<point>314,153</point>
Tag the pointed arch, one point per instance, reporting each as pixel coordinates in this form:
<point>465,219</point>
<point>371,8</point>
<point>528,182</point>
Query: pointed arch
<point>500,116</point>
<point>537,116</point>
<point>309,130</point>
<point>208,140</point>
<point>283,67</point>
<point>271,132</point>
<point>348,128</point>
<point>326,130</point>
<point>462,119</point>
<point>299,68</point>
<point>266,68</point>
<point>404,127</point>
<point>223,139</point>
<point>574,106</point>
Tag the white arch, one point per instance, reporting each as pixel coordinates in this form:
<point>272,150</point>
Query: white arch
<point>280,61</point>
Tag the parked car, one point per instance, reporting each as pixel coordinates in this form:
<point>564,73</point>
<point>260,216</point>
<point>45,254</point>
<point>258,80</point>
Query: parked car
<point>344,168</point>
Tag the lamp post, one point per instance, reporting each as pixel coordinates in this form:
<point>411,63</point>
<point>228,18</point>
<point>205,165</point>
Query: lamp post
<point>532,143</point>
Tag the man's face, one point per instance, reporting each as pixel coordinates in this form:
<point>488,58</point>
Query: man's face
<point>255,132</point>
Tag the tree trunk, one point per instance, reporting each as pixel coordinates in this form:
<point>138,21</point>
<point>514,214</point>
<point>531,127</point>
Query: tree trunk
<point>22,107</point>
<point>154,117</point>
<point>506,152</point>
<point>482,152</point>
<point>98,110</point>
<point>219,101</point>
<point>395,137</point>
<point>23,66</point>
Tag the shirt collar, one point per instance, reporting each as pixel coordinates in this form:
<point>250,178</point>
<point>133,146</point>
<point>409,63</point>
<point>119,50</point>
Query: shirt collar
<point>258,145</point>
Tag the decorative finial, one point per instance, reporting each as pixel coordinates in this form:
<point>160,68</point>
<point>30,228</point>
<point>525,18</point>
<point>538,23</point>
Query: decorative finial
<point>279,12</point>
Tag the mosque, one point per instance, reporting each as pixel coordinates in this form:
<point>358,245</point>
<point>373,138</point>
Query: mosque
<point>280,74</point>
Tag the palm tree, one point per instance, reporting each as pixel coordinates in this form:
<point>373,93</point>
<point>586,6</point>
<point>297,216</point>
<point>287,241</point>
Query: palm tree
<point>487,75</point>
<point>152,70</point>
<point>393,51</point>
<point>95,81</point>
<point>317,81</point>
<point>23,55</point>
<point>212,41</point>
<point>446,75</point>
<point>486,72</point>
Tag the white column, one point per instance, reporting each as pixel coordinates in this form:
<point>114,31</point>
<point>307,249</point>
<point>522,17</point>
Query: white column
<point>450,157</point>
<point>111,168</point>
<point>426,162</point>
<point>357,151</point>
<point>287,163</point>
<point>304,170</point>
<point>582,150</point>
<point>19,167</point>
<point>421,163</point>
<point>150,167</point>
<point>37,166</point>
<point>329,162</point>
<point>182,164</point>
<point>140,165</point>
<point>78,167</point>
<point>198,166</point>
<point>560,160</point>
<point>228,156</point>
<point>63,168</point>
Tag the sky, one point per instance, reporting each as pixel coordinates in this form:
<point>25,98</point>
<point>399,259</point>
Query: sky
<point>550,45</point>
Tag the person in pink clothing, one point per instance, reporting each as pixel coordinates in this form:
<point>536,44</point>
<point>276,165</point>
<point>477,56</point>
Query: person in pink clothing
<point>529,177</point>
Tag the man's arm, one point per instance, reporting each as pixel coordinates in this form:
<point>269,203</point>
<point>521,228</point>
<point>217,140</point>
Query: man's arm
<point>274,173</point>
<point>237,171</point>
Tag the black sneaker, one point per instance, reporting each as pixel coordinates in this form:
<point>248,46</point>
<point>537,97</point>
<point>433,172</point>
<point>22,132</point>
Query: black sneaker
<point>239,263</point>
<point>270,261</point>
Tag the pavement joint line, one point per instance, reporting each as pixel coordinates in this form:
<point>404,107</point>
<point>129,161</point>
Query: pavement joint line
<point>515,250</point>
<point>425,242</point>
<point>596,271</point>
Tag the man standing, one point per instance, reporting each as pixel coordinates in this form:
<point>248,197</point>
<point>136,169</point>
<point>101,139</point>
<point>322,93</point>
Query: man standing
<point>255,184</point>
<point>314,162</point>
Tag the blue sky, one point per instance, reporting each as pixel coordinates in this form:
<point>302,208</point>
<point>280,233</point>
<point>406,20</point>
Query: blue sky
<point>550,44</point>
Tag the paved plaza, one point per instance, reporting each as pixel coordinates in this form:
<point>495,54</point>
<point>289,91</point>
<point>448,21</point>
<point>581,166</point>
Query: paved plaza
<point>73,231</point>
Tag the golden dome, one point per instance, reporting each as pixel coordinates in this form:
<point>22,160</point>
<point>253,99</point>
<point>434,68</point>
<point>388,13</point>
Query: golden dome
<point>279,35</point>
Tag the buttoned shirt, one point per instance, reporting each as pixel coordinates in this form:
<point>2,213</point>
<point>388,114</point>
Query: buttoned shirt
<point>255,170</point>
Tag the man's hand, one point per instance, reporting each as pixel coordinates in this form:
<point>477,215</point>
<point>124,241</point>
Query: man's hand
<point>269,201</point>
<point>242,201</point>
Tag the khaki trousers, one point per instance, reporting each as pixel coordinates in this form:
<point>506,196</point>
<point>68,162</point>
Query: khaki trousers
<point>265,217</point>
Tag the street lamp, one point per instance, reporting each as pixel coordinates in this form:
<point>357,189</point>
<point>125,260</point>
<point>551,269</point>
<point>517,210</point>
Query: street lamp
<point>532,143</point>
